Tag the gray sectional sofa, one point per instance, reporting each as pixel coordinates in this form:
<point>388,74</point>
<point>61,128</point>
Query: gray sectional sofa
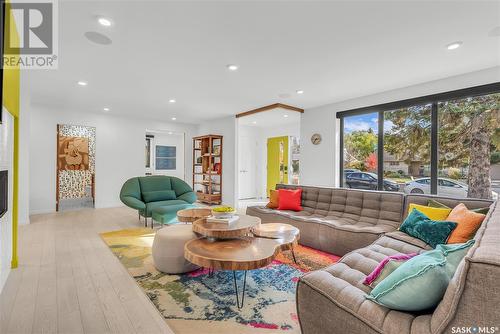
<point>332,300</point>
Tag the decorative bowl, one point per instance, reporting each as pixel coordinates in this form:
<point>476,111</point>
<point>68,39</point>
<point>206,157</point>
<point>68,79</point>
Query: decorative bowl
<point>223,212</point>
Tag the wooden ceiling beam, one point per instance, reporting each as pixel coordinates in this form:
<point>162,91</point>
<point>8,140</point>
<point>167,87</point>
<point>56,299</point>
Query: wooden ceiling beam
<point>269,107</point>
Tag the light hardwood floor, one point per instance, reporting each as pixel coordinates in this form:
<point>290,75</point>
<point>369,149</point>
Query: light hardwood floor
<point>69,282</point>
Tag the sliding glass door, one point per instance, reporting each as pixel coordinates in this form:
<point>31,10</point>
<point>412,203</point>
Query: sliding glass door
<point>446,144</point>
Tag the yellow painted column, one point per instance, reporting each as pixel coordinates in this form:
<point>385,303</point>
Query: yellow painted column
<point>11,97</point>
<point>15,190</point>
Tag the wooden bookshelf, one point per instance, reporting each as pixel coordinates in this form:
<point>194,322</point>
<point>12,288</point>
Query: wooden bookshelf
<point>207,179</point>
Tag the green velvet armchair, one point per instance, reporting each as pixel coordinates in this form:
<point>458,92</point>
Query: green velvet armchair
<point>147,193</point>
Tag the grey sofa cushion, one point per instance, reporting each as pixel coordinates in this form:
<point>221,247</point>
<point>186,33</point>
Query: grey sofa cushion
<point>372,207</point>
<point>336,295</point>
<point>473,295</point>
<point>470,203</point>
<point>337,220</point>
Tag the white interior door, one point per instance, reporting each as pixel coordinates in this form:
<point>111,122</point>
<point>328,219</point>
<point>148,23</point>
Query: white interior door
<point>247,168</point>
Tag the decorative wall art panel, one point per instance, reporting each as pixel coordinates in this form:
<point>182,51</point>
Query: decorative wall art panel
<point>73,153</point>
<point>75,161</point>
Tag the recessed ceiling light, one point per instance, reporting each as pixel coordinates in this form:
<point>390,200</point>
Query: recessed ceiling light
<point>170,132</point>
<point>285,116</point>
<point>232,67</point>
<point>104,21</point>
<point>83,83</point>
<point>174,118</point>
<point>106,109</point>
<point>454,45</point>
<point>254,122</point>
<point>300,91</point>
<point>172,101</point>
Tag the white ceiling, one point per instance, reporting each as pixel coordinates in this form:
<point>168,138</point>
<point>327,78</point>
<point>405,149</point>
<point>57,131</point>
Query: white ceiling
<point>271,118</point>
<point>332,50</point>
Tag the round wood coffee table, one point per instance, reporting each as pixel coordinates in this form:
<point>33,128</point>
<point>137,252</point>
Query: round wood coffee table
<point>240,228</point>
<point>243,253</point>
<point>285,234</point>
<point>191,215</point>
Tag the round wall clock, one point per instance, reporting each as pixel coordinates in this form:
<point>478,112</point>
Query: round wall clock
<point>316,139</point>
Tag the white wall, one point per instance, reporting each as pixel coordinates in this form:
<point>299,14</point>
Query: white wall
<point>320,163</point>
<point>317,161</point>
<point>6,163</point>
<point>227,128</point>
<point>119,152</point>
<point>174,139</point>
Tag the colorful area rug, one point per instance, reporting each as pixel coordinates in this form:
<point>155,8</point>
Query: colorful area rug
<point>198,303</point>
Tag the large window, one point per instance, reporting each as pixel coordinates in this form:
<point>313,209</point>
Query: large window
<point>469,141</point>
<point>446,144</point>
<point>407,142</point>
<point>360,151</point>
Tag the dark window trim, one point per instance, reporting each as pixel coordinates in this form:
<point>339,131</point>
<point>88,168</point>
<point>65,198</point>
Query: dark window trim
<point>341,176</point>
<point>434,148</point>
<point>428,99</point>
<point>380,151</point>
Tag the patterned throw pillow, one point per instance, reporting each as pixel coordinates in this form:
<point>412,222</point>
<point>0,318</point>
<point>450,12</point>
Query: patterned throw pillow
<point>386,267</point>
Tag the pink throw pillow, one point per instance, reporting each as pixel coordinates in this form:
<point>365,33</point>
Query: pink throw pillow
<point>385,267</point>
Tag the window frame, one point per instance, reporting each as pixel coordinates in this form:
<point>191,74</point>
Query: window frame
<point>432,99</point>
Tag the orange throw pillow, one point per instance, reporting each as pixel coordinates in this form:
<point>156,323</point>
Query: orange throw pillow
<point>468,223</point>
<point>273,199</point>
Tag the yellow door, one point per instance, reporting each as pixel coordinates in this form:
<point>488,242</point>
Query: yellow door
<point>277,162</point>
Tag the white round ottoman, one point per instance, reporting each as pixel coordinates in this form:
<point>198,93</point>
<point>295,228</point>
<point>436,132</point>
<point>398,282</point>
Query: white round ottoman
<point>168,249</point>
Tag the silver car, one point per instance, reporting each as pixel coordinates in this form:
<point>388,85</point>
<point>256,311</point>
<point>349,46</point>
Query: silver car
<point>446,187</point>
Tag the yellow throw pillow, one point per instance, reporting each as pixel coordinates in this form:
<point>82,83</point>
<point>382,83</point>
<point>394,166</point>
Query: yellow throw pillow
<point>432,213</point>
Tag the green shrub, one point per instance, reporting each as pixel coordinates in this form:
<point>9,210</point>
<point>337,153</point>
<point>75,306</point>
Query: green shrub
<point>454,173</point>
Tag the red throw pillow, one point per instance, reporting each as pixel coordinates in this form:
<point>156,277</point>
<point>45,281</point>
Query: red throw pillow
<point>290,199</point>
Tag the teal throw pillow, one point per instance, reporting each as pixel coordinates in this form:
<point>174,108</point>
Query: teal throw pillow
<point>420,283</point>
<point>159,195</point>
<point>433,232</point>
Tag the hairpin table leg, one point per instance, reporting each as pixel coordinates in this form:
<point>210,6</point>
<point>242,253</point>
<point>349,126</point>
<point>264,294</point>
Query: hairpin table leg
<point>236,289</point>
<point>293,255</point>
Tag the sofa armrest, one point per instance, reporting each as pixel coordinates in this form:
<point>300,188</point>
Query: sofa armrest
<point>133,202</point>
<point>189,197</point>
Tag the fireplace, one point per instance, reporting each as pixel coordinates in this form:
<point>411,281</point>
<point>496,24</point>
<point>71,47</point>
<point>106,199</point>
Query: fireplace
<point>4,192</point>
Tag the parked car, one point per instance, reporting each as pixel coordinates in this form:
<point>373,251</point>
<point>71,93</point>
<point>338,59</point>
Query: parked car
<point>364,180</point>
<point>351,170</point>
<point>446,187</point>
